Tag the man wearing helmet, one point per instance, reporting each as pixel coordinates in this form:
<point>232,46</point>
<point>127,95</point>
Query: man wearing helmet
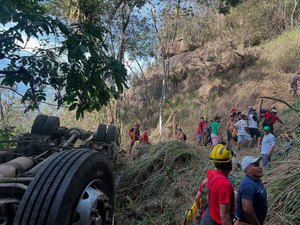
<point>220,191</point>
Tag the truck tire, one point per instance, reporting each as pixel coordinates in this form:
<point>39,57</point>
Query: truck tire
<point>111,134</point>
<point>38,124</point>
<point>60,191</point>
<point>51,125</point>
<point>101,133</point>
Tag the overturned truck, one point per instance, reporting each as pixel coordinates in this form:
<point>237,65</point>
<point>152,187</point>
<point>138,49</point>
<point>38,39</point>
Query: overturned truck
<point>58,176</point>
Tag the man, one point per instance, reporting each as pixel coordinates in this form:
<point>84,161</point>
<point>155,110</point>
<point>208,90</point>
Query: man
<point>253,126</point>
<point>220,191</point>
<point>201,126</point>
<point>251,204</point>
<point>294,85</point>
<point>242,133</point>
<point>216,135</point>
<point>267,146</point>
<point>271,118</point>
<point>134,135</point>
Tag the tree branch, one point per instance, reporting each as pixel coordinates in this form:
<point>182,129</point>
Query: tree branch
<point>11,89</point>
<point>284,102</point>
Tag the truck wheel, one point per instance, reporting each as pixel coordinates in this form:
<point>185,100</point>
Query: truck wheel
<point>73,187</point>
<point>111,134</point>
<point>51,125</point>
<point>38,124</point>
<point>101,133</point>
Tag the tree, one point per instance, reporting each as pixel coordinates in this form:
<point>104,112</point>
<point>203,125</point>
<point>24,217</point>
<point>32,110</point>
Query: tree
<point>79,70</point>
<point>116,16</point>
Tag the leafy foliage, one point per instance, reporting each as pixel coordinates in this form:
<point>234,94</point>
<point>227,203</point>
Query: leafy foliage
<point>79,70</point>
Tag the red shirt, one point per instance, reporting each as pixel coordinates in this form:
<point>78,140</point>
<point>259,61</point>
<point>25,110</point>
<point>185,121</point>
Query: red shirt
<point>145,138</point>
<point>273,116</point>
<point>201,125</point>
<point>220,192</point>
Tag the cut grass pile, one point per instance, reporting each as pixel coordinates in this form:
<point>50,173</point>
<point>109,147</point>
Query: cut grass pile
<point>159,185</point>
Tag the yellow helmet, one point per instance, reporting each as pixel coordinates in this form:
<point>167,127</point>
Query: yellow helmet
<point>220,154</point>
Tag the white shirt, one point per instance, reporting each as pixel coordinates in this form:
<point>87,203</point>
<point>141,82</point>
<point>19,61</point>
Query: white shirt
<point>268,142</point>
<point>241,125</point>
<point>252,122</point>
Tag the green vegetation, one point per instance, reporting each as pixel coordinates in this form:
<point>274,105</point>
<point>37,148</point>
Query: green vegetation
<point>159,184</point>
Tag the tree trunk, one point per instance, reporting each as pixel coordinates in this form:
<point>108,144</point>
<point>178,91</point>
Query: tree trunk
<point>293,13</point>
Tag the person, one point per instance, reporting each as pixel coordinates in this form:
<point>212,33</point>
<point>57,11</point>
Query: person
<point>145,137</point>
<point>220,195</point>
<point>180,135</point>
<point>207,133</point>
<point>201,126</point>
<point>251,204</point>
<point>230,128</point>
<point>216,135</point>
<point>253,127</point>
<point>134,135</point>
<point>267,146</point>
<point>294,85</point>
<point>242,133</point>
<point>271,118</point>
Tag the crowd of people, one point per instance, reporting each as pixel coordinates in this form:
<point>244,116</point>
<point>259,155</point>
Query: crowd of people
<point>242,129</point>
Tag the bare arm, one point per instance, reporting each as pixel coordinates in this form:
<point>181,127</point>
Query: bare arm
<point>197,197</point>
<point>225,214</point>
<point>249,212</point>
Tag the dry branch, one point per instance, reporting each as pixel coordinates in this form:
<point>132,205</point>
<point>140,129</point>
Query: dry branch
<point>284,102</point>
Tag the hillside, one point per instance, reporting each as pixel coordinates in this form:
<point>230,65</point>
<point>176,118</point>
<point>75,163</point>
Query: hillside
<point>159,184</point>
<point>210,80</point>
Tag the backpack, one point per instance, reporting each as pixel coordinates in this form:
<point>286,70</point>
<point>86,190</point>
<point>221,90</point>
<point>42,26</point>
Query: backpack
<point>191,214</point>
<point>268,122</point>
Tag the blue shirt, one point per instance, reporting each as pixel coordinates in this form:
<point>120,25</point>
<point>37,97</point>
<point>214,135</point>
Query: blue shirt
<point>252,190</point>
<point>268,142</point>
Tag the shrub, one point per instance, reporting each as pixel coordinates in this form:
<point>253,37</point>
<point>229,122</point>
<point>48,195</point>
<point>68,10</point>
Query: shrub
<point>254,21</point>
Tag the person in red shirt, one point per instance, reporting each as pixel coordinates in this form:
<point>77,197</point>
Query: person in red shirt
<point>145,137</point>
<point>271,118</point>
<point>220,208</point>
<point>201,126</point>
<point>134,135</point>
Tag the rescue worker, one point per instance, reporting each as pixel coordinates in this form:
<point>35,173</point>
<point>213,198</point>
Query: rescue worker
<point>220,191</point>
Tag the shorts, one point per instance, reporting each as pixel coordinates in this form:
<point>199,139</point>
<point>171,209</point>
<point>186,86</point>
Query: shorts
<point>254,132</point>
<point>293,87</point>
<point>132,142</point>
<point>215,139</point>
<point>243,137</point>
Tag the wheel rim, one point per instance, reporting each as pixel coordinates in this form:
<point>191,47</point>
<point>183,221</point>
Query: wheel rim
<point>93,207</point>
